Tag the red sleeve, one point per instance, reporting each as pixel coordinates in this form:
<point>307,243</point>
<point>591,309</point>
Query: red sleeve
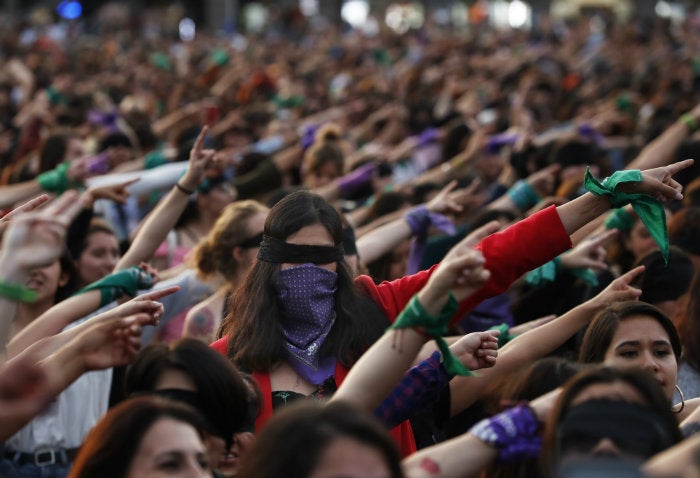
<point>221,345</point>
<point>523,246</point>
<point>510,253</point>
<point>392,296</point>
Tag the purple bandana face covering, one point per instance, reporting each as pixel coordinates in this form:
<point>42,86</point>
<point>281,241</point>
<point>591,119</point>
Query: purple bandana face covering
<point>307,297</point>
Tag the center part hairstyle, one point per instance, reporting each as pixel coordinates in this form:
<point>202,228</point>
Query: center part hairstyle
<point>222,395</point>
<point>667,432</point>
<point>601,330</point>
<point>292,444</point>
<point>255,338</point>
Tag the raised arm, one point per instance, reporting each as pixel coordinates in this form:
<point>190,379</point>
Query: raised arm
<point>656,182</point>
<point>34,238</point>
<point>383,365</point>
<point>540,341</point>
<point>165,215</point>
<point>661,150</point>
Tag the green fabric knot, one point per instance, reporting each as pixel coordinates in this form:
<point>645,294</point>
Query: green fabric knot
<point>154,159</point>
<point>620,219</point>
<point>650,211</point>
<point>124,282</point>
<point>504,337</point>
<point>547,272</point>
<point>415,316</point>
<point>56,181</point>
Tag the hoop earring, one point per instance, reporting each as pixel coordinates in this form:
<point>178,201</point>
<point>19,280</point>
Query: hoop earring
<point>680,392</point>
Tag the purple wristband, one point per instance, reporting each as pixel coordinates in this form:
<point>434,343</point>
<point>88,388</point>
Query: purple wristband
<point>515,432</point>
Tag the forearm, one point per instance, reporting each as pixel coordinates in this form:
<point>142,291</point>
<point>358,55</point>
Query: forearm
<point>380,368</point>
<point>15,193</point>
<point>678,460</point>
<point>383,239</point>
<point>65,366</point>
<point>10,273</point>
<point>524,349</point>
<point>464,456</point>
<point>55,320</point>
<point>417,390</point>
<point>580,211</point>
<point>661,150</point>
<point>155,228</point>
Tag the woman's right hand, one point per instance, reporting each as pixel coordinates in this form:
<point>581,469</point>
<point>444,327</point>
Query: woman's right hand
<point>619,290</point>
<point>36,239</point>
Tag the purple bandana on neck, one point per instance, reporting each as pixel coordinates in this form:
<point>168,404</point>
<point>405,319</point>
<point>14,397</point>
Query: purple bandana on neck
<point>307,298</point>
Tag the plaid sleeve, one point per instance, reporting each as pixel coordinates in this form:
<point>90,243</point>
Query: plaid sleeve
<point>418,389</point>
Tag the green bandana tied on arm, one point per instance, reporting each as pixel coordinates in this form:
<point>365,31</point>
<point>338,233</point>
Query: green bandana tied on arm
<point>649,210</point>
<point>415,316</point>
<point>125,282</point>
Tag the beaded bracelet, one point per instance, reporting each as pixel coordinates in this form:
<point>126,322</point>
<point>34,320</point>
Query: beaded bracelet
<point>17,292</point>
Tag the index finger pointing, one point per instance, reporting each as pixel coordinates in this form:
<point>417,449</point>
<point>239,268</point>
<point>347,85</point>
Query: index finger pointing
<point>158,294</point>
<point>199,142</point>
<point>680,165</point>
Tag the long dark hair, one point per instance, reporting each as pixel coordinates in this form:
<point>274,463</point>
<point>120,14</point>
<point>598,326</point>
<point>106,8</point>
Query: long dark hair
<point>689,325</point>
<point>292,444</point>
<point>255,340</point>
<point>222,393</point>
<point>111,445</point>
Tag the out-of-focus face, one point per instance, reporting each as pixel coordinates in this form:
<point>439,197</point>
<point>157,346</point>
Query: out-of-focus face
<point>640,241</point>
<point>74,149</point>
<point>46,281</point>
<point>255,226</point>
<point>217,199</point>
<point>323,175</point>
<point>98,258</point>
<point>642,342</point>
<point>170,449</point>
<point>348,458</point>
<point>399,260</point>
<point>313,235</point>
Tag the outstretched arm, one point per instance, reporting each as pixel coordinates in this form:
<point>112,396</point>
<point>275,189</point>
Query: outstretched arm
<point>164,216</point>
<point>540,341</point>
<point>383,365</point>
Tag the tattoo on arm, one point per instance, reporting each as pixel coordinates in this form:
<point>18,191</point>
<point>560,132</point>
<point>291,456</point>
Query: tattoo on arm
<point>200,324</point>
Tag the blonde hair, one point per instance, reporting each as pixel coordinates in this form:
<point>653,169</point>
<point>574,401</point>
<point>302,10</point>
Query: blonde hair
<point>214,252</point>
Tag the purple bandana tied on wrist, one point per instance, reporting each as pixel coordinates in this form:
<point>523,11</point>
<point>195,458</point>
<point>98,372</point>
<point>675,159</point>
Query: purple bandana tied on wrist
<point>420,219</point>
<point>307,298</point>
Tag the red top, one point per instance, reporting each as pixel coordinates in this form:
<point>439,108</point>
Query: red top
<point>509,254</point>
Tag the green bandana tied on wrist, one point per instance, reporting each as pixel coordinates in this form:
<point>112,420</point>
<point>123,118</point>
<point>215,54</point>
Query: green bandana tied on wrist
<point>415,316</point>
<point>125,282</point>
<point>649,210</point>
<point>56,180</point>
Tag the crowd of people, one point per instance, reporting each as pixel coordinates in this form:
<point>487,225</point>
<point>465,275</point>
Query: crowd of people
<point>320,252</point>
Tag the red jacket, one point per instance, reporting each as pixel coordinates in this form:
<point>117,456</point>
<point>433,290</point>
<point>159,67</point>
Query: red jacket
<point>509,254</point>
